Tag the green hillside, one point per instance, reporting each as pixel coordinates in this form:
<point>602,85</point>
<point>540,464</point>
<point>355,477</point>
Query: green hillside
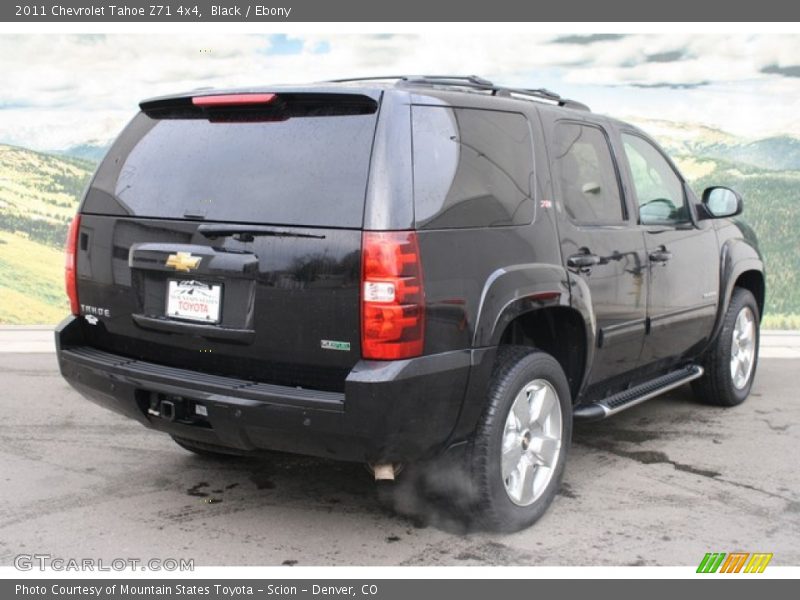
<point>776,153</point>
<point>39,193</point>
<point>38,196</point>
<point>31,281</point>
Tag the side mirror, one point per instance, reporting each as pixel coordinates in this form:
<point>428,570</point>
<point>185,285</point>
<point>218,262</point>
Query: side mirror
<point>720,202</point>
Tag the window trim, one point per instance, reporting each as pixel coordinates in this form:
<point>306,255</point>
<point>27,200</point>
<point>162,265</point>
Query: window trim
<point>647,139</point>
<point>625,220</point>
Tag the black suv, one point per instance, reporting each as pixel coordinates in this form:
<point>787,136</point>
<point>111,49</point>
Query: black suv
<point>402,271</point>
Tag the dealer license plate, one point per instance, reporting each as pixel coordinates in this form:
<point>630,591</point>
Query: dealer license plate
<point>193,300</point>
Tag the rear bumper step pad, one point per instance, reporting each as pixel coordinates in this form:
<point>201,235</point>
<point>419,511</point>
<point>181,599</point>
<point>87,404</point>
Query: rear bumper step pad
<point>152,374</point>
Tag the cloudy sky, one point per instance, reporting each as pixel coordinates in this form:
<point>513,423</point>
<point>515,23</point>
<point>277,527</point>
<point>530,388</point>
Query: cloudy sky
<point>64,90</point>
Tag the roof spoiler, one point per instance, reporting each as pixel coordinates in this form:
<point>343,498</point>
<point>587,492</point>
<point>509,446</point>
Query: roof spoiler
<point>257,106</point>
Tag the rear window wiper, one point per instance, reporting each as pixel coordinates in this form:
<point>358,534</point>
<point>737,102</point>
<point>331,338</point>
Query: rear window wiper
<point>247,233</point>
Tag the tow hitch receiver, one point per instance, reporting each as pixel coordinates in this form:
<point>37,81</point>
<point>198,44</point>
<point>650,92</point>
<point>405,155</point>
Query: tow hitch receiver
<point>168,410</point>
<point>177,409</point>
<point>171,408</point>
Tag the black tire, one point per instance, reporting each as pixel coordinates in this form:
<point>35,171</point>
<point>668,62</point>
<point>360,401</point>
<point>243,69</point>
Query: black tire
<point>491,506</point>
<point>716,386</point>
<point>207,450</point>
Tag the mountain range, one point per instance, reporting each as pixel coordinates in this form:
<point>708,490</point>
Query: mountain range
<point>93,151</point>
<point>774,153</point>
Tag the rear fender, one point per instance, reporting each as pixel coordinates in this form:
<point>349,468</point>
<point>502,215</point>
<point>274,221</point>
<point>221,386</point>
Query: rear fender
<point>515,290</point>
<point>509,293</point>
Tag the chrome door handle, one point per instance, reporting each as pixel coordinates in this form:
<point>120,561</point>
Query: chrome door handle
<point>583,261</point>
<point>661,255</point>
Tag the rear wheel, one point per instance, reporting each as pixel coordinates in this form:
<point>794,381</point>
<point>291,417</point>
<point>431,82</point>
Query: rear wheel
<point>519,450</point>
<point>730,363</point>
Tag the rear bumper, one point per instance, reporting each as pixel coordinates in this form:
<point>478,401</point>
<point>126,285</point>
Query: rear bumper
<point>394,411</point>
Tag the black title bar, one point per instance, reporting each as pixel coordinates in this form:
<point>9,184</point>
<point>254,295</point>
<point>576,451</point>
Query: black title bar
<point>152,11</point>
<point>731,588</point>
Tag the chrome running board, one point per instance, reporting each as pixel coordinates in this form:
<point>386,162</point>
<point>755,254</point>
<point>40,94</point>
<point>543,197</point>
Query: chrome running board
<point>636,395</point>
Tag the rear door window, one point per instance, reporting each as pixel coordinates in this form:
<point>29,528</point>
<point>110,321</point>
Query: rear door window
<point>586,175</point>
<point>307,170</point>
<point>472,168</point>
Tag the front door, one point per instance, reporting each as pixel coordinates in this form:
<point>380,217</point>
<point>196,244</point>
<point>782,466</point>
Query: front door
<point>683,258</point>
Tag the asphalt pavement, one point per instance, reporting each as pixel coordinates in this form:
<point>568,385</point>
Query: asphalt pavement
<point>660,484</point>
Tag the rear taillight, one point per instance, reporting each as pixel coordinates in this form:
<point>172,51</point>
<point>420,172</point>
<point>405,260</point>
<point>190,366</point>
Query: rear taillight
<point>71,264</point>
<point>392,297</point>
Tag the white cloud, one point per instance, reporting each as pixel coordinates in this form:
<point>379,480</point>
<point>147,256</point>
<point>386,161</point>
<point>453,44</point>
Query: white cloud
<point>61,90</point>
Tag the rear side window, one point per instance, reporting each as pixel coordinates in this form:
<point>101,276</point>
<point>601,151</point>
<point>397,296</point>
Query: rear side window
<point>305,170</point>
<point>472,168</point>
<point>586,175</point>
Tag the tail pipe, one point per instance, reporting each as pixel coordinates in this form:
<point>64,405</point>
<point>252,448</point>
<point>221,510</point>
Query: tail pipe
<point>384,471</point>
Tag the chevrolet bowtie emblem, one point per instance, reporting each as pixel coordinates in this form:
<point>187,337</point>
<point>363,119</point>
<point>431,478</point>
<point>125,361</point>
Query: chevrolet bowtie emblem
<point>183,261</point>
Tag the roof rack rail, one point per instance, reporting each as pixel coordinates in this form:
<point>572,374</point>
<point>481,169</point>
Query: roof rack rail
<point>373,78</point>
<point>475,83</point>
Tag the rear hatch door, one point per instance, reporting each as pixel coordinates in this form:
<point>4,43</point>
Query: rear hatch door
<point>223,234</point>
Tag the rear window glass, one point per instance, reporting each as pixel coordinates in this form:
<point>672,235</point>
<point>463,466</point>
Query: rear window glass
<point>472,168</point>
<point>302,171</point>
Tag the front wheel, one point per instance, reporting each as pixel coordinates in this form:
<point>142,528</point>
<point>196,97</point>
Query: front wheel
<point>730,363</point>
<point>519,450</point>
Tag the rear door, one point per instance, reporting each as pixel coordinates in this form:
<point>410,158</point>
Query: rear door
<point>226,237</point>
<point>600,245</point>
